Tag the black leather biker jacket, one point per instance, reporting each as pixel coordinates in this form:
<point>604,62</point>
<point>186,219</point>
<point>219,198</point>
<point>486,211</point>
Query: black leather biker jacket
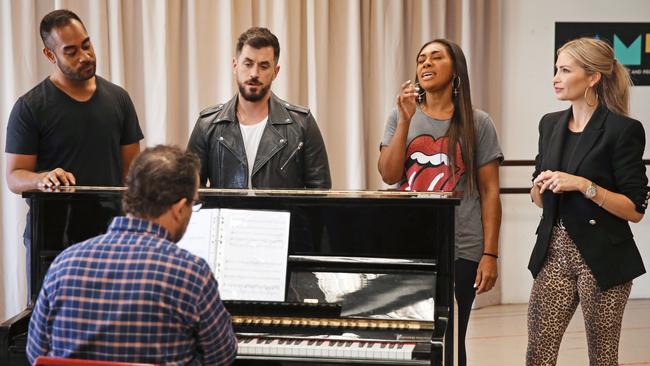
<point>291,154</point>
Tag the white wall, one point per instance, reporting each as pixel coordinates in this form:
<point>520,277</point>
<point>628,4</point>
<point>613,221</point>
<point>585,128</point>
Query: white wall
<point>528,46</point>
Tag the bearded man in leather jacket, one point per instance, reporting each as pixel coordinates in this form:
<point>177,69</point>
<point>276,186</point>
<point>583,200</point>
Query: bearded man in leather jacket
<point>257,140</point>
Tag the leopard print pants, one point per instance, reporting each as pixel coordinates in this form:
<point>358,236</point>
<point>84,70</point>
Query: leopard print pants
<point>564,281</point>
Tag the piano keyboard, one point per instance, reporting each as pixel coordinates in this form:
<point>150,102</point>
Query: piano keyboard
<point>325,348</point>
<point>381,324</point>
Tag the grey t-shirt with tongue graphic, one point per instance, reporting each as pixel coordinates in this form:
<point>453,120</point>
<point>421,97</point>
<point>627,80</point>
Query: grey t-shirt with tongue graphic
<point>426,164</point>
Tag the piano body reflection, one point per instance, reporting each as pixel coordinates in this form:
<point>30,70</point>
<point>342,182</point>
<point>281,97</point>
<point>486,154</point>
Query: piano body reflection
<point>369,273</point>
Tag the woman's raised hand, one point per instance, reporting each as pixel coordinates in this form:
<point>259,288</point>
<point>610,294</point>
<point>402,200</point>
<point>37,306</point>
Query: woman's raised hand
<point>406,101</point>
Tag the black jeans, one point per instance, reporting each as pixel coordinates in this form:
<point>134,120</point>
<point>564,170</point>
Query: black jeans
<point>464,276</point>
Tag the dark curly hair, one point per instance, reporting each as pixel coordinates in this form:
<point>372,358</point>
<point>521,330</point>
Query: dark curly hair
<point>159,177</point>
<point>259,37</point>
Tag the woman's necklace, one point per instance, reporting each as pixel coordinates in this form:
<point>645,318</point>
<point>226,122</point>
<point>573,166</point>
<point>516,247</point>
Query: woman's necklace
<point>439,115</point>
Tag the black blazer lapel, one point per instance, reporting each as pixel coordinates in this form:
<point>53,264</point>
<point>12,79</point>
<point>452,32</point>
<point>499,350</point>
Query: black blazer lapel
<point>590,135</point>
<point>556,142</point>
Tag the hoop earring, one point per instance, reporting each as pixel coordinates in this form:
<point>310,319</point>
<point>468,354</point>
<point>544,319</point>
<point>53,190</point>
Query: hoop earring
<point>455,84</point>
<point>421,93</point>
<point>587,99</point>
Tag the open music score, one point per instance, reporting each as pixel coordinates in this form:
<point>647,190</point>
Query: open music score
<point>246,250</point>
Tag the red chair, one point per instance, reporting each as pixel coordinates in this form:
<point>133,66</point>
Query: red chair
<point>58,361</point>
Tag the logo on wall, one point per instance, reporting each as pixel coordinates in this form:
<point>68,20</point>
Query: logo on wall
<point>631,43</point>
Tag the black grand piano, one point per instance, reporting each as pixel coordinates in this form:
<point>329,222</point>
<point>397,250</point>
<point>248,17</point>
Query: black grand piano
<point>369,273</point>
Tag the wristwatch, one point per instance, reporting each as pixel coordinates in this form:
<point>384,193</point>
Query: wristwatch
<point>590,192</point>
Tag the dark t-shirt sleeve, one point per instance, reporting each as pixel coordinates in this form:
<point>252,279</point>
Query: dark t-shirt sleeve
<point>22,131</point>
<point>131,132</point>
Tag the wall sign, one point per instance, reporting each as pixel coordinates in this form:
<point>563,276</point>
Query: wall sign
<point>631,43</point>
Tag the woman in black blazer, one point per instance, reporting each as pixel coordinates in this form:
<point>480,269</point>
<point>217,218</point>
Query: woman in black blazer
<point>590,181</point>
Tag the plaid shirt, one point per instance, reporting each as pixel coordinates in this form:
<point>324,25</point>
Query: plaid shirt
<point>131,295</point>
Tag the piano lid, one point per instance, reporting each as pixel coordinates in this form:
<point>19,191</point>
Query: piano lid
<point>316,193</point>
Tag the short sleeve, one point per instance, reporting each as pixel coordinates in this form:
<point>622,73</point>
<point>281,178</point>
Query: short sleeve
<point>22,130</point>
<point>131,132</point>
<point>487,142</point>
<point>389,130</point>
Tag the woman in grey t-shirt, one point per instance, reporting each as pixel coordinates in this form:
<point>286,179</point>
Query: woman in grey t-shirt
<point>432,114</point>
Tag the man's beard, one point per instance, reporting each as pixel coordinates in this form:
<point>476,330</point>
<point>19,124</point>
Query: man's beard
<point>70,73</point>
<point>253,96</point>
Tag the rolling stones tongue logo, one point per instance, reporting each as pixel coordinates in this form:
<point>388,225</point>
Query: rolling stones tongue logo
<point>427,167</point>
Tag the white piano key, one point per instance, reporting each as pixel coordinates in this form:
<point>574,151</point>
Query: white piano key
<point>374,350</point>
<point>258,346</point>
<point>408,351</point>
<point>341,351</point>
<point>266,349</point>
<point>331,350</point>
<point>361,350</point>
<point>319,349</point>
<point>273,347</point>
<point>309,348</point>
<point>383,352</point>
<point>392,351</point>
<point>302,348</point>
<point>242,347</point>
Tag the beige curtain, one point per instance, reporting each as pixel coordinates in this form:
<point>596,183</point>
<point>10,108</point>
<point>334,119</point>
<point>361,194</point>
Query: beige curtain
<point>344,59</point>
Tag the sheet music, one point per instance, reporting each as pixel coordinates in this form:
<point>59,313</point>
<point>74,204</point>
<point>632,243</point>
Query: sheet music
<point>252,255</point>
<point>246,250</point>
<point>200,235</point>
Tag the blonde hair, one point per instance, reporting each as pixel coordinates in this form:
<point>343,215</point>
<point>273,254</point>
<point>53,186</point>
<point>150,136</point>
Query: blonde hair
<point>594,55</point>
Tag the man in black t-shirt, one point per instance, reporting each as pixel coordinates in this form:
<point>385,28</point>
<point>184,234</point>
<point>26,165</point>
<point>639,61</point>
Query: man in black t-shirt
<point>73,128</point>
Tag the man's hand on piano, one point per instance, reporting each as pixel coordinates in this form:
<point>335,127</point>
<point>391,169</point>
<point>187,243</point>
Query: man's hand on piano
<point>486,274</point>
<point>56,178</point>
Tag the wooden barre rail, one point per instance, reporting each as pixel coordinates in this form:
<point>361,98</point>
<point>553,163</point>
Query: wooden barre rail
<point>531,163</point>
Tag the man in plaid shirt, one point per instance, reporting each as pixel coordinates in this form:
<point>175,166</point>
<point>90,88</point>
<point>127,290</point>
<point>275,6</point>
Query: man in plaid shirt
<point>131,294</point>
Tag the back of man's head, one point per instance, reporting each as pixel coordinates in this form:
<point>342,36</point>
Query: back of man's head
<point>56,19</point>
<point>159,177</point>
<point>259,37</point>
